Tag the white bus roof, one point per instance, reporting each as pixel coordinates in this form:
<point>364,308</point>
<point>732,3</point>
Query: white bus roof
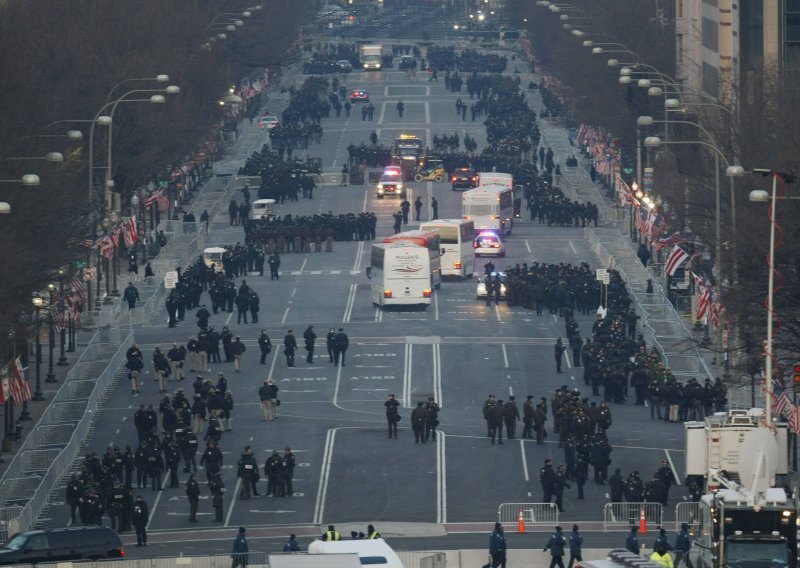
<point>491,188</point>
<point>213,250</point>
<point>399,244</point>
<point>363,547</point>
<point>314,561</point>
<point>263,202</point>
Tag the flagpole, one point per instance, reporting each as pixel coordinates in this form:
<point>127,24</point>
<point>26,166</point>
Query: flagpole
<point>770,297</point>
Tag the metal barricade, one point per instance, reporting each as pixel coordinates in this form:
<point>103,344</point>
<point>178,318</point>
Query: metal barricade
<point>622,516</point>
<point>532,513</point>
<point>688,513</point>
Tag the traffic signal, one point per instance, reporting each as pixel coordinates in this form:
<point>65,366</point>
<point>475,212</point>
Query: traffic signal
<point>796,377</point>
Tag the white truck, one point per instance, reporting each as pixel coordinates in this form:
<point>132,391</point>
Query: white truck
<point>746,519</point>
<point>371,57</point>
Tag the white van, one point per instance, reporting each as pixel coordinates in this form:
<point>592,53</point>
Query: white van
<point>373,552</point>
<point>261,208</point>
<point>213,256</point>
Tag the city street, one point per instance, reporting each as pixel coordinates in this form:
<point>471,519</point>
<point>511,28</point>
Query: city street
<point>458,351</point>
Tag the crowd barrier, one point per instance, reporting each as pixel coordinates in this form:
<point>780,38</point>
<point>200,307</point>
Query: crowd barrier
<point>533,514</point>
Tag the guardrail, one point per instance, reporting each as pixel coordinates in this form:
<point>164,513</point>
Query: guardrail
<point>688,513</point>
<point>623,516</point>
<point>532,513</point>
<point>30,480</point>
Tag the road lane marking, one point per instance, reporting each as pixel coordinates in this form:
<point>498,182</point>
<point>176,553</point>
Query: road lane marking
<point>348,307</point>
<point>505,355</point>
<point>407,359</point>
<point>672,467</point>
<point>437,374</point>
<point>305,261</point>
<point>158,497</point>
<point>528,246</point>
<point>441,479</point>
<point>233,501</point>
<point>572,246</point>
<point>436,307</point>
<point>524,460</point>
<point>359,252</point>
<point>285,315</point>
<point>325,471</point>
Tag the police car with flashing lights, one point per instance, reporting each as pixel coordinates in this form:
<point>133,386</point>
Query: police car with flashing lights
<point>391,183</point>
<point>488,243</point>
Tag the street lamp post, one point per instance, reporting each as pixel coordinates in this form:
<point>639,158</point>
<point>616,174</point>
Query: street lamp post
<point>38,302</point>
<point>51,375</point>
<point>62,358</point>
<point>762,196</point>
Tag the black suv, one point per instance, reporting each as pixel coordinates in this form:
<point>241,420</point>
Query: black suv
<point>464,178</point>
<point>56,545</point>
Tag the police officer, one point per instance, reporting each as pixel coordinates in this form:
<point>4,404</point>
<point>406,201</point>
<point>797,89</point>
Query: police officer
<point>419,417</point>
<point>289,462</point>
<point>527,417</point>
<point>141,517</point>
<point>683,544</point>
<point>496,413</point>
<point>372,533</point>
<point>289,347</point>
<point>273,469</point>
<point>511,417</point>
<point>547,478</point>
<point>193,494</point>
<point>392,416</point>
<point>556,546</point>
<point>265,345</point>
<point>432,408</point>
<point>632,541</point>
<point>488,404</point>
<point>310,338</point>
<point>217,488</point>
<point>330,342</point>
<point>212,459</point>
<point>340,347</point>
<point>247,470</point>
<point>74,491</point>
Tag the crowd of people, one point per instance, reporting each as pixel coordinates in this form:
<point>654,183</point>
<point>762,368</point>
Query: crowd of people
<point>448,58</point>
<point>302,233</point>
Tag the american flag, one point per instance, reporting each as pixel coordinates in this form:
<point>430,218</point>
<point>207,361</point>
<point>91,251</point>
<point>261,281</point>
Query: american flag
<point>107,246</point>
<point>703,291</point>
<point>675,259</point>
<point>57,309</point>
<point>642,217</point>
<point>658,226</point>
<point>793,417</point>
<point>129,232</point>
<point>715,312</point>
<point>780,402</point>
<point>5,385</point>
<point>19,386</point>
<point>76,285</point>
<point>163,201</point>
<point>674,239</point>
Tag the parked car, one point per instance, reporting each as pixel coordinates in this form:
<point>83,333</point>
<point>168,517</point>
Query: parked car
<point>62,545</point>
<point>268,121</point>
<point>359,96</point>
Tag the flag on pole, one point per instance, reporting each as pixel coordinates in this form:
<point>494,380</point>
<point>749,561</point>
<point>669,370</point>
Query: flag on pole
<point>675,259</point>
<point>780,402</point>
<point>5,387</point>
<point>793,417</point>
<point>674,239</point>
<point>20,375</point>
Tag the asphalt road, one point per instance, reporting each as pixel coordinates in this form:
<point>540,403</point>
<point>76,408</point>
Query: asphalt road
<point>458,350</point>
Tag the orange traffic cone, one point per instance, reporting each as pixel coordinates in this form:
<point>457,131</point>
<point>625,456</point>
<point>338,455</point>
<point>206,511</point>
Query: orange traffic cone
<point>521,523</point>
<point>642,522</point>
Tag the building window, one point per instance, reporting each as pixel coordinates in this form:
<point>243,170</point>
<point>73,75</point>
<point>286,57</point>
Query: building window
<point>710,80</point>
<point>710,31</point>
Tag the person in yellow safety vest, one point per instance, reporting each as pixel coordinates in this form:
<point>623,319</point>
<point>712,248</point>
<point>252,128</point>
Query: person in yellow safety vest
<point>664,559</point>
<point>372,533</point>
<point>331,534</point>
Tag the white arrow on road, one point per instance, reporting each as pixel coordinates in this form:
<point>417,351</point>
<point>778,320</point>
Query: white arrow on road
<point>276,511</point>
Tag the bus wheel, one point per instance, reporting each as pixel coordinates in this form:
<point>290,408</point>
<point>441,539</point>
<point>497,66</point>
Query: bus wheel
<point>418,177</point>
<point>438,179</point>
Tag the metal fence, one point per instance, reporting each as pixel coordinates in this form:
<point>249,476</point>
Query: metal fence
<point>622,516</point>
<point>34,471</point>
<point>688,513</point>
<point>410,559</point>
<point>532,513</point>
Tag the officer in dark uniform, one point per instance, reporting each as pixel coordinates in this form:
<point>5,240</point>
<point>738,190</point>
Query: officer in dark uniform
<point>433,418</point>
<point>273,469</point>
<point>558,487</point>
<point>511,417</point>
<point>666,476</point>
<point>117,507</point>
<point>265,345</point>
<point>496,414</point>
<point>217,488</point>
<point>289,347</point>
<point>331,534</point>
<point>189,450</point>
<point>310,338</point>
<point>330,342</point>
<point>616,486</point>
<point>419,418</point>
<point>340,347</point>
<point>289,461</point>
<point>247,470</point>
<point>173,459</point>
<point>488,404</point>
<point>212,459</point>
<point>547,478</point>
<point>141,517</point>
<point>193,494</point>
<point>527,417</point>
<point>392,416</point>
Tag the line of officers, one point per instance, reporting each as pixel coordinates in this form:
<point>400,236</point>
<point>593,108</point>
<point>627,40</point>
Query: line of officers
<point>105,487</point>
